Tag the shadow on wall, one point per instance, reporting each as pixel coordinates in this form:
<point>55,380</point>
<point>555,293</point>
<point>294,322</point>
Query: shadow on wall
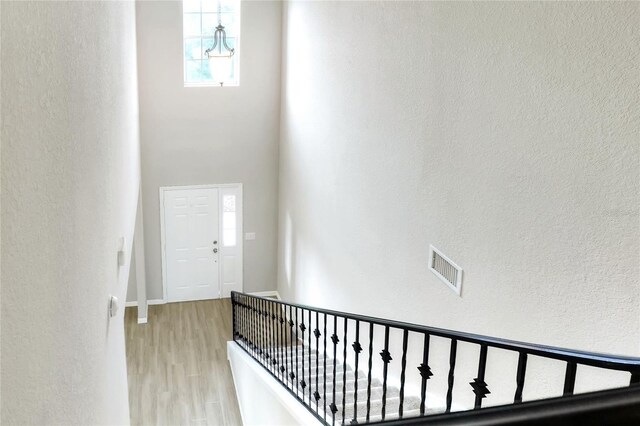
<point>289,258</point>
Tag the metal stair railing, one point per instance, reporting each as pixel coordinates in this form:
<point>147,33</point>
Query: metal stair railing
<point>307,350</point>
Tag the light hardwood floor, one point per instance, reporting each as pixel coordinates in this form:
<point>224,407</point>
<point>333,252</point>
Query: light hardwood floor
<point>177,365</point>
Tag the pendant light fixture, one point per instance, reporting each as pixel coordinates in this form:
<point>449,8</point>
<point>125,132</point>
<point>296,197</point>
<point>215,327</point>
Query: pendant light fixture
<point>219,60</point>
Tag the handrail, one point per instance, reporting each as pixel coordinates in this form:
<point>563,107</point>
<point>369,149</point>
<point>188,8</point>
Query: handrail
<point>594,359</point>
<point>281,336</point>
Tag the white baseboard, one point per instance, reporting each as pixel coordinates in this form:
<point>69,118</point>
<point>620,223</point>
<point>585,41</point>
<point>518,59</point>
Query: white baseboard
<point>149,302</point>
<point>271,293</point>
<point>142,320</point>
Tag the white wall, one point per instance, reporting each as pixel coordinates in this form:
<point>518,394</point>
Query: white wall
<point>506,134</point>
<point>70,177</point>
<point>211,135</point>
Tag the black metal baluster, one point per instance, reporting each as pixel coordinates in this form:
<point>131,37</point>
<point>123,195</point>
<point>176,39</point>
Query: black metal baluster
<point>309,351</point>
<point>452,367</point>
<point>249,326</point>
<point>234,329</point>
<point>292,375</point>
<point>275,330</point>
<point>260,318</point>
<point>569,378</point>
<point>357,348</point>
<point>317,334</point>
<point>274,335</point>
<point>265,343</point>
<point>335,340</point>
<point>254,328</point>
<point>260,329</point>
<point>240,320</point>
<point>281,346</point>
<point>425,373</point>
<point>243,332</point>
<point>522,369</point>
<point>285,348</point>
<point>405,338</point>
<point>478,385</point>
<point>298,371</point>
<point>344,371</point>
<point>324,372</point>
<point>386,358</point>
<point>263,320</point>
<point>274,346</point>
<point>247,322</point>
<point>269,345</point>
<point>369,373</point>
<point>303,383</point>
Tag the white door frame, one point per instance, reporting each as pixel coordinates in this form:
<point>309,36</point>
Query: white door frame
<point>239,223</point>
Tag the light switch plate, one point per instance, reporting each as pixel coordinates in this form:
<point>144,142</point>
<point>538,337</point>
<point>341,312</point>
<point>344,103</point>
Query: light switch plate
<point>121,243</point>
<point>250,236</point>
<point>113,306</point>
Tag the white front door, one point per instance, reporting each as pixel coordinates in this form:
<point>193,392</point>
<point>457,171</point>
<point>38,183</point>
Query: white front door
<point>192,226</point>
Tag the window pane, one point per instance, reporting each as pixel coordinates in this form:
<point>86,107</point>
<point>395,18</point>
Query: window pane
<point>191,24</point>
<point>197,71</point>
<point>206,44</point>
<point>228,5</point>
<point>229,220</point>
<point>192,49</point>
<point>229,237</point>
<point>210,6</point>
<point>209,23</point>
<point>229,203</point>
<point>230,22</point>
<point>231,42</point>
<point>205,71</point>
<point>191,6</point>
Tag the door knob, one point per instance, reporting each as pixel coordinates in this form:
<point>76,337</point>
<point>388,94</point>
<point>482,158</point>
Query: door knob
<point>215,242</point>
<point>215,250</point>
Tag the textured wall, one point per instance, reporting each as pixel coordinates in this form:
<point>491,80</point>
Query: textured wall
<point>505,134</point>
<point>70,175</point>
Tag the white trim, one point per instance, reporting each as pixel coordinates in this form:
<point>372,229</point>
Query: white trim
<point>240,219</point>
<point>138,252</point>
<point>271,293</point>
<point>149,302</point>
<point>142,320</point>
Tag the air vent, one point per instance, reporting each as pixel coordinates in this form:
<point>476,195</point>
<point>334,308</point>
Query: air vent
<point>443,268</point>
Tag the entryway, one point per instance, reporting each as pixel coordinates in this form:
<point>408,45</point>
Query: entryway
<point>201,231</point>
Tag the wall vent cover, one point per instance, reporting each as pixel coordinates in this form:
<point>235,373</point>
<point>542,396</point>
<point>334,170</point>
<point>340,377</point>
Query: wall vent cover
<point>444,268</point>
